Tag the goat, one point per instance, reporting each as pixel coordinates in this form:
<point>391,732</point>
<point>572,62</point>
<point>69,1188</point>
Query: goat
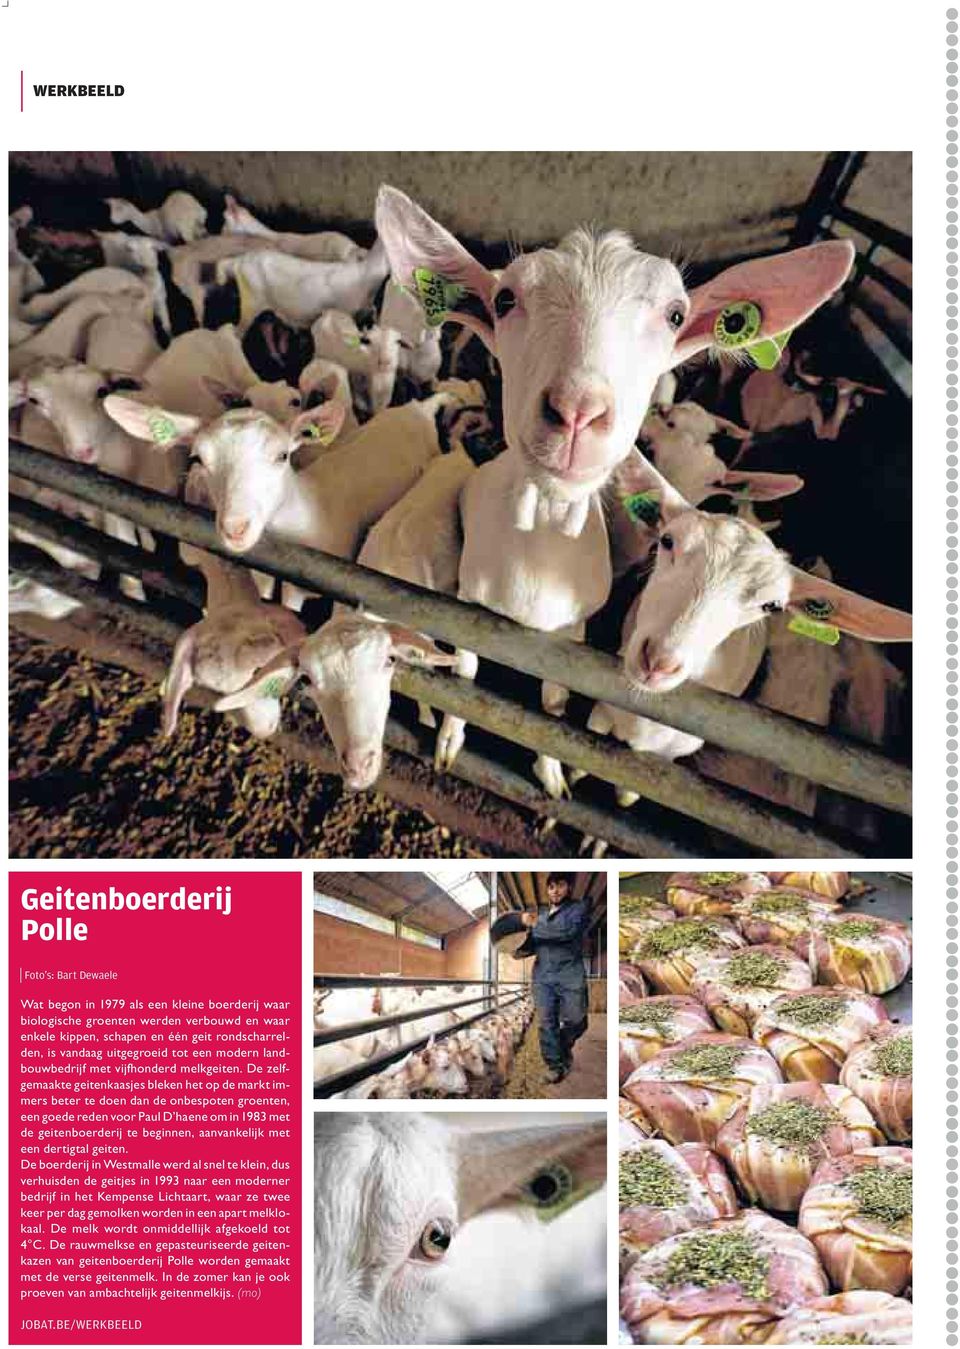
<point>371,356</point>
<point>583,332</point>
<point>325,246</point>
<point>179,219</point>
<point>396,1196</point>
<point>789,395</point>
<point>238,634</point>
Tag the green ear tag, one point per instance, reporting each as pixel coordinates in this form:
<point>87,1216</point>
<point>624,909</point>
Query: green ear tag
<point>737,325</point>
<point>809,627</point>
<point>161,428</point>
<point>437,295</point>
<point>643,508</point>
<point>351,341</point>
<point>274,687</point>
<point>767,352</point>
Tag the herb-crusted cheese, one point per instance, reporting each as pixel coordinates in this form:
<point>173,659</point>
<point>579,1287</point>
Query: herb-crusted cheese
<point>883,1194</point>
<point>648,1178</point>
<point>811,1011</point>
<point>754,969</point>
<point>792,1124</point>
<point>705,1061</point>
<point>852,929</point>
<point>713,1259</point>
<point>653,1015</point>
<point>686,935</point>
<point>893,1059</point>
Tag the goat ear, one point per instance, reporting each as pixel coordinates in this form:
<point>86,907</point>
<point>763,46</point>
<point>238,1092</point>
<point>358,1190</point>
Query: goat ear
<point>179,679</point>
<point>415,648</point>
<point>759,486</point>
<point>143,422</point>
<point>318,425</point>
<point>414,241</point>
<point>273,680</point>
<point>786,288</point>
<point>495,1163</point>
<point>19,393</point>
<point>844,609</point>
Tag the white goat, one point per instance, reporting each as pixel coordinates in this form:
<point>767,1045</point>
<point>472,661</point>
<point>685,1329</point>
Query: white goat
<point>323,246</point>
<point>238,634</point>
<point>677,441</point>
<point>180,218</point>
<point>67,334</point>
<point>330,504</point>
<point>701,616</point>
<point>297,289</point>
<point>350,661</point>
<point>395,1197</point>
<point>372,355</point>
<point>583,332</point>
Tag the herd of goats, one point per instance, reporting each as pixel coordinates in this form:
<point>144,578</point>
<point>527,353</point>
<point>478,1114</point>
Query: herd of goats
<point>551,460</point>
<point>474,1061</point>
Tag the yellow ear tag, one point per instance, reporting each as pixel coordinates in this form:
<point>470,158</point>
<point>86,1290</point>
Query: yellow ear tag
<point>811,622</point>
<point>161,428</point>
<point>248,310</point>
<point>437,295</point>
<point>323,435</point>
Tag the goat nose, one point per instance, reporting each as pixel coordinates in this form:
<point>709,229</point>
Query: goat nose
<point>360,767</point>
<point>576,410</point>
<point>659,661</point>
<point>236,530</point>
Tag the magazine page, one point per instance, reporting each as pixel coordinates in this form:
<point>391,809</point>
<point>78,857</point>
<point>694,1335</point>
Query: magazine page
<point>465,503</point>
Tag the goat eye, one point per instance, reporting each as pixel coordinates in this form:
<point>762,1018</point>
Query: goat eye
<point>283,456</point>
<point>503,302</point>
<point>772,607</point>
<point>666,541</point>
<point>295,402</point>
<point>671,425</point>
<point>103,390</point>
<point>435,1239</point>
<point>675,316</point>
<point>549,1187</point>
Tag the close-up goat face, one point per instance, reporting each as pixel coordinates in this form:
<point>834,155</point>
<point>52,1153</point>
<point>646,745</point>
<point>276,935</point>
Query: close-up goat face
<point>394,1194</point>
<point>71,396</point>
<point>713,574</point>
<point>582,333</point>
<point>584,330</point>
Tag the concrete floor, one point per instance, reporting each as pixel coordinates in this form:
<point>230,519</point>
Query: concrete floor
<point>588,1077</point>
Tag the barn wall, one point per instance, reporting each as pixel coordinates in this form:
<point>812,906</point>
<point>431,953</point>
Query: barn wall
<point>340,947</point>
<point>700,204</point>
<point>466,950</point>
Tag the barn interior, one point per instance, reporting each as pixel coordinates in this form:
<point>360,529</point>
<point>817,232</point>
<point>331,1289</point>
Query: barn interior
<point>429,931</point>
<point>84,690</point>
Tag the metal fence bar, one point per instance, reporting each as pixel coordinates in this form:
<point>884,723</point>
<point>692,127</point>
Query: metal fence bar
<point>619,829</point>
<point>328,1086</point>
<point>183,584</point>
<point>887,235</point>
<point>829,760</point>
<point>669,784</point>
<point>682,789</point>
<point>352,1028</point>
<point>400,981</point>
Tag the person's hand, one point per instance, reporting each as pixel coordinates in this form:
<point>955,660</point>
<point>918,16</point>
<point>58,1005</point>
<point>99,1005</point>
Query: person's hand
<point>528,919</point>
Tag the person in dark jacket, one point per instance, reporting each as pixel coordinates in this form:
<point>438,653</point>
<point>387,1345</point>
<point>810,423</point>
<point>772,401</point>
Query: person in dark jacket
<point>559,977</point>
